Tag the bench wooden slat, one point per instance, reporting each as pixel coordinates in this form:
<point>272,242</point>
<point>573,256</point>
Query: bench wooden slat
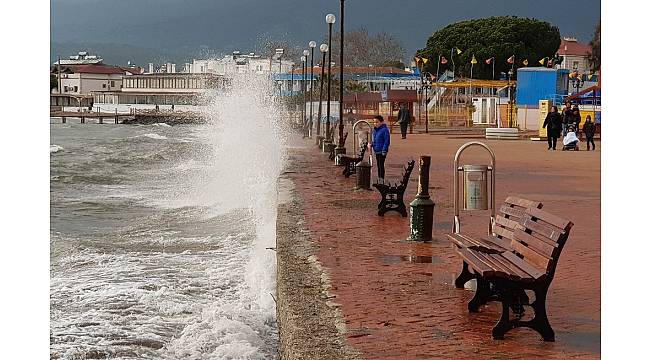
<point>475,262</point>
<point>505,244</point>
<point>554,220</point>
<point>504,233</point>
<point>532,256</point>
<point>550,232</point>
<point>492,244</point>
<point>535,272</point>
<point>542,247</point>
<point>525,203</point>
<point>500,269</point>
<point>524,276</point>
<point>507,223</point>
<point>511,211</point>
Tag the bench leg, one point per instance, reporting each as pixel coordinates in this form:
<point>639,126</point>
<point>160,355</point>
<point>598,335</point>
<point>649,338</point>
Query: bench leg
<point>465,276</point>
<point>481,296</point>
<point>540,321</point>
<point>504,324</point>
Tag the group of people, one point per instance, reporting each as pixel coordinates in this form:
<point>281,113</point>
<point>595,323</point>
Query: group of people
<point>567,124</point>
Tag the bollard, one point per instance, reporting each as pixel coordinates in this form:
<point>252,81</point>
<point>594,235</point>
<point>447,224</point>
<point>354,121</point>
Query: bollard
<point>363,175</point>
<point>83,120</point>
<point>422,206</point>
<point>101,120</point>
<point>116,121</point>
<point>63,119</point>
<point>319,140</point>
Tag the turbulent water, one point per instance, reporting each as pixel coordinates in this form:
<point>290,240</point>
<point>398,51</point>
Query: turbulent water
<point>160,235</point>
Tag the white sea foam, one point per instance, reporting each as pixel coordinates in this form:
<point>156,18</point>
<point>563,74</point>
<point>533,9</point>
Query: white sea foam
<point>153,136</point>
<point>54,148</point>
<point>161,125</point>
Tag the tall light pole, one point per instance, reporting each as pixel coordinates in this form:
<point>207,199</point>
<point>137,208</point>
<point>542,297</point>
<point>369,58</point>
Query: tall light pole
<point>330,19</point>
<point>312,45</point>
<point>340,149</point>
<point>279,53</point>
<point>302,89</point>
<point>323,49</point>
<point>305,53</point>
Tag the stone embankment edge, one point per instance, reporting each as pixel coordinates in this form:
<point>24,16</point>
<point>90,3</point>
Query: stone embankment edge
<point>310,323</point>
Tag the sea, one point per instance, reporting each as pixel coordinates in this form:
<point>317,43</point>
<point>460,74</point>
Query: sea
<point>162,237</point>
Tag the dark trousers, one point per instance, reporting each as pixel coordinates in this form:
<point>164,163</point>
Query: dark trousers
<point>381,159</point>
<point>591,140</point>
<point>552,142</point>
<point>404,126</point>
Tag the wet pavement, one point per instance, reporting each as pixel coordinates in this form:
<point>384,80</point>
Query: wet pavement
<point>397,297</point>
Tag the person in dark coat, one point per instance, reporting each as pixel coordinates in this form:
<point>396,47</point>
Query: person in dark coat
<point>567,118</point>
<point>575,111</point>
<point>589,129</point>
<point>403,118</point>
<point>380,144</point>
<point>553,125</point>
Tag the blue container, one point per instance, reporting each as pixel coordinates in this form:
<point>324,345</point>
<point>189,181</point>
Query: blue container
<point>540,83</point>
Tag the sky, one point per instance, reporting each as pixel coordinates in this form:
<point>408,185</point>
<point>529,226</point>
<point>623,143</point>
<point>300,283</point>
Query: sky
<point>191,28</point>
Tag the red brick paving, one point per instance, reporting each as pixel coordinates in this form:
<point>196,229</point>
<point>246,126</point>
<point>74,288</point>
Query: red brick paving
<point>395,308</point>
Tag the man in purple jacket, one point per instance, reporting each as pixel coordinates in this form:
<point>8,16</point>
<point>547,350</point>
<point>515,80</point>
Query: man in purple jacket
<point>380,144</point>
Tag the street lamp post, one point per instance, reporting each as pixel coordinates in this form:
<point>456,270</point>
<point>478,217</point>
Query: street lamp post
<point>426,84</point>
<point>302,89</point>
<point>279,53</point>
<point>312,45</point>
<point>305,53</point>
<point>323,49</point>
<point>341,148</point>
<point>330,19</point>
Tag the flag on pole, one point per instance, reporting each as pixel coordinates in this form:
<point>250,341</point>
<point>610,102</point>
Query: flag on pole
<point>473,60</point>
<point>443,60</point>
<point>425,60</point>
<point>590,76</point>
<point>459,51</point>
<point>417,60</point>
<point>489,61</point>
<point>542,61</point>
<point>511,60</point>
<point>525,62</point>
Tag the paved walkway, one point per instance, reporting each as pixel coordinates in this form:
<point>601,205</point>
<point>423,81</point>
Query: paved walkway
<point>398,298</point>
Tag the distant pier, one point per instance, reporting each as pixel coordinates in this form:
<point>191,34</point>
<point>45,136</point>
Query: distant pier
<point>135,116</point>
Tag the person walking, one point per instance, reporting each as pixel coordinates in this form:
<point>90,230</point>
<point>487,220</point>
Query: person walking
<point>589,129</point>
<point>403,118</point>
<point>380,144</point>
<point>567,118</point>
<point>575,111</point>
<point>553,125</point>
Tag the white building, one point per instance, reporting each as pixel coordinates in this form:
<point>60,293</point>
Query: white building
<point>237,63</point>
<point>84,79</point>
<point>575,54</point>
<point>82,58</point>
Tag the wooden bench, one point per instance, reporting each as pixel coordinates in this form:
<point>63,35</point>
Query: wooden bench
<point>536,248</point>
<point>350,161</point>
<point>392,195</point>
<point>505,223</point>
<point>331,157</point>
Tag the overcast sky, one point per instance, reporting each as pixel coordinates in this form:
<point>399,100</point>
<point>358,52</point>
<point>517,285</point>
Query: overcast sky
<point>227,25</point>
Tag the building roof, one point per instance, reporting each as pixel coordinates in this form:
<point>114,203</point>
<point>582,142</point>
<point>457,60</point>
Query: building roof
<point>90,69</point>
<point>133,70</point>
<point>571,46</point>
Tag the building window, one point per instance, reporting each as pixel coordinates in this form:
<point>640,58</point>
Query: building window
<point>112,83</point>
<point>104,86</point>
<point>75,88</point>
<point>575,65</point>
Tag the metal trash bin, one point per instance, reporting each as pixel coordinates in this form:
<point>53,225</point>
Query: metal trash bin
<point>363,175</point>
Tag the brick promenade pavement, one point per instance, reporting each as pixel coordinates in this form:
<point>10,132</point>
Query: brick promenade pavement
<point>398,298</point>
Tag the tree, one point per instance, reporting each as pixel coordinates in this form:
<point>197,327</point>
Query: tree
<point>499,37</point>
<point>54,82</point>
<point>594,54</point>
<point>363,49</point>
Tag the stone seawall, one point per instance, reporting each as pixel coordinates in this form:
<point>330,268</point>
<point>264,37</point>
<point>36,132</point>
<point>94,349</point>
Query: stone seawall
<point>309,323</point>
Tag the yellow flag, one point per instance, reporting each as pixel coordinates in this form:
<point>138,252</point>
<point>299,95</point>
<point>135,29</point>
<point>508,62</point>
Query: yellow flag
<point>417,60</point>
<point>542,61</point>
<point>425,60</point>
<point>590,76</point>
<point>458,51</point>
<point>474,60</point>
<point>525,62</point>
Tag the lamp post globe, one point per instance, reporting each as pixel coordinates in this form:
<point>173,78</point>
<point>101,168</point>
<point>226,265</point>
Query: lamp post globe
<point>305,53</point>
<point>323,49</point>
<point>312,44</point>
<point>330,18</point>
